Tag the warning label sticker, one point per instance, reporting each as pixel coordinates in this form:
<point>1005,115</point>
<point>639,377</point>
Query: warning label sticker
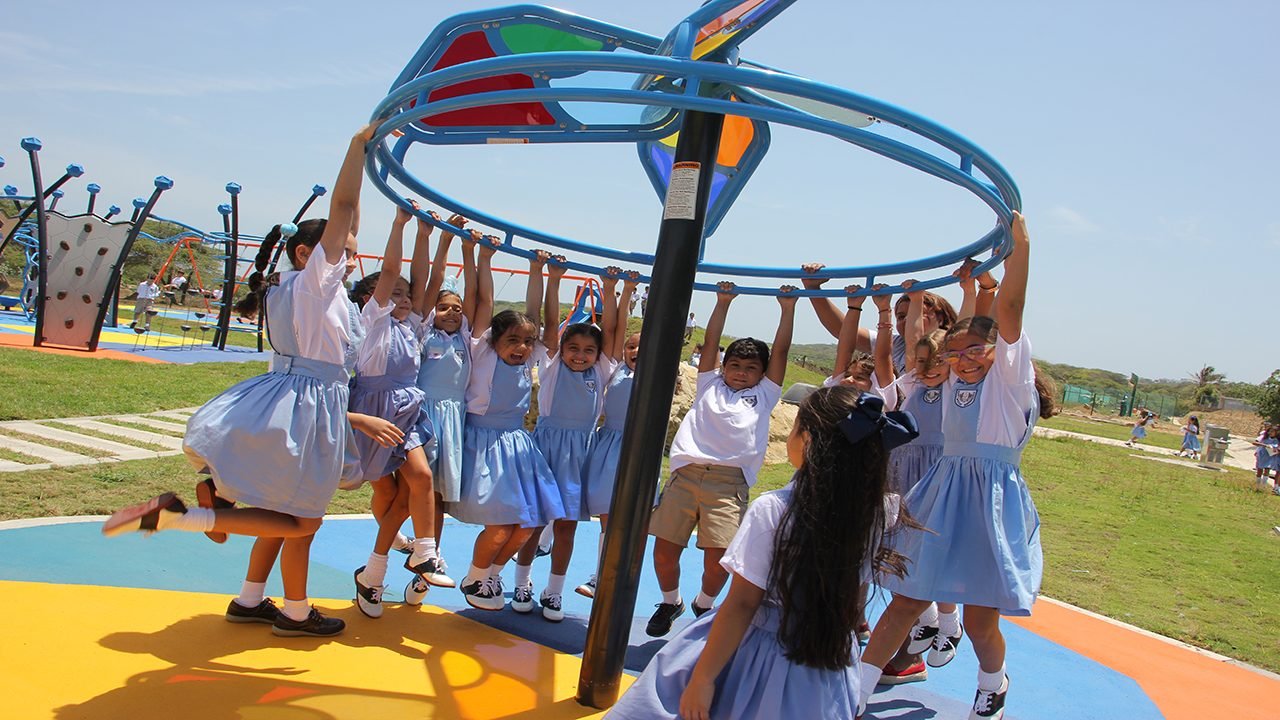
<point>682,192</point>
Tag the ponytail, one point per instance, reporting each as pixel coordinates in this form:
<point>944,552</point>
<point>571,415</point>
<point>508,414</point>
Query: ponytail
<point>306,233</point>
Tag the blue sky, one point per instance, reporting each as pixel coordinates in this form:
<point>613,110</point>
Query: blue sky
<point>1141,135</point>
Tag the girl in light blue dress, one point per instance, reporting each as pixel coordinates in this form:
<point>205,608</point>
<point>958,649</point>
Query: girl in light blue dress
<point>782,643</point>
<point>601,471</point>
<point>386,386</point>
<point>281,441</point>
<point>982,544</point>
<point>1266,458</point>
<point>1191,439</point>
<point>572,376</point>
<point>506,484</point>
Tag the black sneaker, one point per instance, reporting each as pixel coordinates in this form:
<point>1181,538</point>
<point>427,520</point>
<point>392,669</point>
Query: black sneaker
<point>921,638</point>
<point>431,570</point>
<point>484,595</point>
<point>368,599</point>
<point>265,612</point>
<point>698,611</point>
<point>316,625</point>
<point>660,623</point>
<point>552,606</point>
<point>522,599</point>
<point>588,588</point>
<point>989,704</point>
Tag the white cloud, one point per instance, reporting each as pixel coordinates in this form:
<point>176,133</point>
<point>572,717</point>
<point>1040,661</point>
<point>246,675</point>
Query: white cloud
<point>1065,220</point>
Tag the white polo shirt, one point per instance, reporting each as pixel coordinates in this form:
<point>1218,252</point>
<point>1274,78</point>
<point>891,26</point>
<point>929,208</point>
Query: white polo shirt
<point>725,427</point>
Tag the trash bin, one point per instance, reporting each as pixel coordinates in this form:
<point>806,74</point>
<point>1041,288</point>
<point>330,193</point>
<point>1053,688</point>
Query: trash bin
<point>1216,439</point>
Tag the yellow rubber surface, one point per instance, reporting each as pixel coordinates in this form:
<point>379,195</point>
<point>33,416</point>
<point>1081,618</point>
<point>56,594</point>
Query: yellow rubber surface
<point>72,651</point>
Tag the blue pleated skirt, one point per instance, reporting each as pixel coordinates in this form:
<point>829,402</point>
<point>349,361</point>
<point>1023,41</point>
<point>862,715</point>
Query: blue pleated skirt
<point>278,441</point>
<point>566,451</point>
<point>505,480</point>
<point>401,406</point>
<point>1138,432</point>
<point>1265,460</point>
<point>601,471</point>
<point>1190,442</point>
<point>982,543</point>
<point>908,463</point>
<point>445,420</point>
<point>759,682</point>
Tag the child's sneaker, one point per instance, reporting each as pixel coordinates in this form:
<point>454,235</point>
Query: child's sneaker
<point>150,516</point>
<point>416,591</point>
<point>431,571</point>
<point>943,649</point>
<point>921,638</point>
<point>368,599</point>
<point>989,704</point>
<point>316,625</point>
<point>207,497</point>
<point>552,608</point>
<point>698,611</point>
<point>402,544</point>
<point>588,588</point>
<point>522,599</point>
<point>264,612</point>
<point>484,595</point>
<point>912,672</point>
<point>660,623</point>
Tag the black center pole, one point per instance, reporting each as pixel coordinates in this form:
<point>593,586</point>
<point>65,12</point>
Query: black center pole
<point>640,464</point>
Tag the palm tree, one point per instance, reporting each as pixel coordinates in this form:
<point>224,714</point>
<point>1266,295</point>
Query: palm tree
<point>1206,395</point>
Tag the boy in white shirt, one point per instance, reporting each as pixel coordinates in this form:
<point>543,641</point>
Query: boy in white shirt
<point>148,291</point>
<point>716,455</point>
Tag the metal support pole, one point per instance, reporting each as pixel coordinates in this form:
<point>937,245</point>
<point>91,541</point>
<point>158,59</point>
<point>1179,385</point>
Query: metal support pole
<point>229,269</point>
<point>674,270</point>
<point>32,146</point>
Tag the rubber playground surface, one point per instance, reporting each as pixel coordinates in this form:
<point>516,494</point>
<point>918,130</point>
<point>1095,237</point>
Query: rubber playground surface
<point>132,626</point>
<point>121,343</point>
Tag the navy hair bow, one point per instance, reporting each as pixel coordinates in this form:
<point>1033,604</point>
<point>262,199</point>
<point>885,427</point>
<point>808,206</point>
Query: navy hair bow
<point>868,416</point>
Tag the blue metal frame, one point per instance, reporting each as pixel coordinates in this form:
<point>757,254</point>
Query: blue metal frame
<point>991,183</point>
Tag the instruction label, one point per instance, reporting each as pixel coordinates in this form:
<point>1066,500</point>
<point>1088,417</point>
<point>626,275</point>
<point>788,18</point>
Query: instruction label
<point>682,192</point>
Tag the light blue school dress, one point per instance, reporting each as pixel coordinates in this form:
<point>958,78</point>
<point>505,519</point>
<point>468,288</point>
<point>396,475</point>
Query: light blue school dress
<point>1139,432</point>
<point>505,480</point>
<point>601,471</point>
<point>446,367</point>
<point>564,436</point>
<point>1264,459</point>
<point>983,541</point>
<point>281,440</point>
<point>1191,440</point>
<point>908,463</point>
<point>393,396</point>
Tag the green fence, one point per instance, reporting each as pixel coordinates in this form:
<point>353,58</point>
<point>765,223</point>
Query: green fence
<point>1111,401</point>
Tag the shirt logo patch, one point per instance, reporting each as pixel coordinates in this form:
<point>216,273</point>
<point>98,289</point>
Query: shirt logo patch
<point>965,398</point>
<point>591,385</point>
<point>459,354</point>
<point>526,373</point>
<point>932,395</point>
<point>750,400</point>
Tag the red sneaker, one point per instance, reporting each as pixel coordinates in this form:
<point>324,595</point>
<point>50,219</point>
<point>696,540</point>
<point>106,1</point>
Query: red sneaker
<point>915,672</point>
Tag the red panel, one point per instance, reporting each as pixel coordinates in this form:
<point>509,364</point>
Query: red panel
<point>474,46</point>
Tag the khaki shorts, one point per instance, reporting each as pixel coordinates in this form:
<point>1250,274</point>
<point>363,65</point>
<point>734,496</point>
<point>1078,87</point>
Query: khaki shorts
<point>712,498</point>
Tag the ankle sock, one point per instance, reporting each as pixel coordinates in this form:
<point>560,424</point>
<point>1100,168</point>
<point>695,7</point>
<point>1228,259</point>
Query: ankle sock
<point>949,623</point>
<point>929,616</point>
<point>522,575</point>
<point>251,594</point>
<point>495,570</point>
<point>475,574</point>
<point>671,597</point>
<point>870,678</point>
<point>704,600</point>
<point>990,681</point>
<point>375,570</point>
<point>555,584</point>
<point>194,519</point>
<point>423,549</point>
<point>297,610</point>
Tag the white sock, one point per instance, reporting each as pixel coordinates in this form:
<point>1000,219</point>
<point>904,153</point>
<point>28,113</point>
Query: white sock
<point>671,597</point>
<point>555,584</point>
<point>423,549</point>
<point>949,623</point>
<point>547,536</point>
<point>495,570</point>
<point>990,681</point>
<point>375,571</point>
<point>296,609</point>
<point>929,616</point>
<point>522,575</point>
<point>870,678</point>
<point>194,519</point>
<point>475,574</point>
<point>251,594</point>
<point>704,600</point>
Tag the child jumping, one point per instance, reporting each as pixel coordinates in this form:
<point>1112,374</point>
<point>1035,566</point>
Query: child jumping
<point>716,455</point>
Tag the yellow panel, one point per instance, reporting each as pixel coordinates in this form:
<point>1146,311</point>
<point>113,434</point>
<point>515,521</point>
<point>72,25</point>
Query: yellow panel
<point>159,653</point>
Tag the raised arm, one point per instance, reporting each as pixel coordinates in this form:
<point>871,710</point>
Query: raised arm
<point>609,319</point>
<point>551,307</point>
<point>533,291</point>
<point>344,202</point>
<point>1012,297</point>
<point>470,281</point>
<point>629,282</point>
<point>439,268</point>
<point>824,308</point>
<point>715,326</point>
<point>968,287</point>
<point>915,321</point>
<point>986,299</point>
<point>392,258</point>
<point>849,329</point>
<point>419,266</point>
<point>777,370</point>
<point>885,374</point>
<point>484,284</point>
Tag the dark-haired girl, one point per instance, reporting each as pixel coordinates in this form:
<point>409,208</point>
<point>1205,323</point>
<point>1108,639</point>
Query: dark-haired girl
<point>282,441</point>
<point>982,548</point>
<point>782,643</point>
<point>572,374</point>
<point>506,484</point>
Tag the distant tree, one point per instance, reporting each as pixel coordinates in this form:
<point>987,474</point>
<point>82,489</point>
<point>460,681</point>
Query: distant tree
<point>1206,395</point>
<point>1269,398</point>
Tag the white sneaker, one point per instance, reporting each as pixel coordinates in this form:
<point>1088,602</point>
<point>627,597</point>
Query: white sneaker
<point>921,638</point>
<point>429,569</point>
<point>484,594</point>
<point>368,597</point>
<point>943,649</point>
<point>402,543</point>
<point>588,588</point>
<point>416,591</point>
<point>522,599</point>
<point>988,704</point>
<point>552,608</point>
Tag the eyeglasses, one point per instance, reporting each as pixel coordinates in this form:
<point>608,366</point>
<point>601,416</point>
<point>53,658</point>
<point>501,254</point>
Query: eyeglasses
<point>973,352</point>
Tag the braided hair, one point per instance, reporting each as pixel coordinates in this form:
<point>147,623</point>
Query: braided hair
<point>306,234</point>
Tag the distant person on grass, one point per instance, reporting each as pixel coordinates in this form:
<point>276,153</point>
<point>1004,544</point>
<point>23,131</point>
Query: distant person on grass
<point>1139,431</point>
<point>1267,456</point>
<point>148,291</point>
<point>1191,439</point>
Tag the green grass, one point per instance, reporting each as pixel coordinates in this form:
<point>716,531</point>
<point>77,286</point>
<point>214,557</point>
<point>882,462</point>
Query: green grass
<point>107,436</point>
<point>15,456</point>
<point>144,428</point>
<point>59,444</point>
<point>41,385</point>
<point>1099,428</point>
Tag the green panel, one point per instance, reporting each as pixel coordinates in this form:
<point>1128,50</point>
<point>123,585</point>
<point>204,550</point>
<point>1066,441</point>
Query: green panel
<point>530,38</point>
